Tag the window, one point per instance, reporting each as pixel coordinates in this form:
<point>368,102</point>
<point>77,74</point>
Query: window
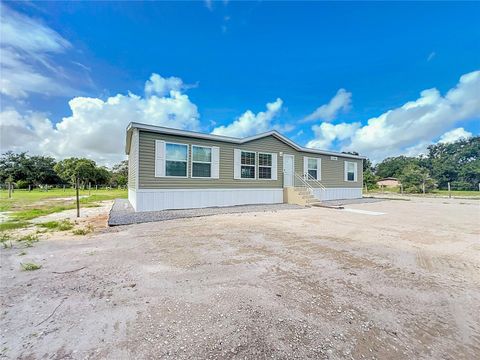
<point>312,168</point>
<point>201,161</point>
<point>351,169</point>
<point>247,161</point>
<point>176,159</point>
<point>264,166</point>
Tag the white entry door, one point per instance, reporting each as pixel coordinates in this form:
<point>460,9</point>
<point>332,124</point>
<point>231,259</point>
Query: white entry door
<point>288,170</point>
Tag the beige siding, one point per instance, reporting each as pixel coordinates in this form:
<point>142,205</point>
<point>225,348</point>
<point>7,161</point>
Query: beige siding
<point>133,160</point>
<point>332,170</point>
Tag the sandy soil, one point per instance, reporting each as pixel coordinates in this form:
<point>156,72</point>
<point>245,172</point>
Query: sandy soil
<point>312,283</point>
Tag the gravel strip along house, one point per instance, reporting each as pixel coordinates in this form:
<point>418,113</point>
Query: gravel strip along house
<point>178,169</point>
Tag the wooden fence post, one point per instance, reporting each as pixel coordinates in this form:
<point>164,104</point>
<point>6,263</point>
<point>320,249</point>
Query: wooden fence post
<point>78,197</point>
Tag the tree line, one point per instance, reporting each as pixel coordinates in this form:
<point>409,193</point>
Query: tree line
<point>25,171</point>
<point>457,163</point>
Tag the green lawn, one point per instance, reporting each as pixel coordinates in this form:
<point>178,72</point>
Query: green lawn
<point>454,193</point>
<point>458,192</point>
<point>26,205</point>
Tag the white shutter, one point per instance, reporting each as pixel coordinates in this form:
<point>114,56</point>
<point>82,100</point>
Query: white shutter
<point>215,162</point>
<point>159,158</point>
<point>305,167</point>
<point>355,173</point>
<point>319,169</point>
<point>345,175</point>
<point>274,167</point>
<point>237,156</point>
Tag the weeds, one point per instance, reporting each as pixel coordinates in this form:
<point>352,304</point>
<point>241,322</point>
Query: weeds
<point>84,231</point>
<point>6,240</point>
<point>7,244</point>
<point>30,266</point>
<point>62,225</point>
<point>12,225</point>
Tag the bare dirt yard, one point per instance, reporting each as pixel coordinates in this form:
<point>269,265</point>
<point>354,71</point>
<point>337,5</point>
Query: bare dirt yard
<point>384,280</point>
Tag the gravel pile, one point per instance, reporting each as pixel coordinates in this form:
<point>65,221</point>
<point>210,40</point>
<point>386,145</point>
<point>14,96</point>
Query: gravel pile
<point>122,213</point>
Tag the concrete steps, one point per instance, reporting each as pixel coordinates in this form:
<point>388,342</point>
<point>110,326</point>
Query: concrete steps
<point>300,196</point>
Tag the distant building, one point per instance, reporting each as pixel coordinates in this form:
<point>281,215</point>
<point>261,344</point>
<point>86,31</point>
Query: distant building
<point>388,182</point>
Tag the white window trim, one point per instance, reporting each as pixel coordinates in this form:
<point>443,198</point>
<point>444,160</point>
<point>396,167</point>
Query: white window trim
<point>186,161</point>
<point>202,162</point>
<point>254,166</point>
<point>259,166</point>
<point>318,162</point>
<point>355,171</point>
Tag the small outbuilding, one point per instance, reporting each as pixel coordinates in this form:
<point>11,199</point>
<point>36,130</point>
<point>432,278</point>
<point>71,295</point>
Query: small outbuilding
<point>388,182</point>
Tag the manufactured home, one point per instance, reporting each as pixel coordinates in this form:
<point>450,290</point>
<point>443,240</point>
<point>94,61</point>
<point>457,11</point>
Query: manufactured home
<point>178,169</point>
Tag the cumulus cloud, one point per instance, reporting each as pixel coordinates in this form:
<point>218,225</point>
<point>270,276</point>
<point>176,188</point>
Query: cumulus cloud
<point>249,123</point>
<point>412,126</point>
<point>96,127</point>
<point>421,120</point>
<point>454,135</point>
<point>327,112</point>
<point>26,64</point>
<point>326,134</point>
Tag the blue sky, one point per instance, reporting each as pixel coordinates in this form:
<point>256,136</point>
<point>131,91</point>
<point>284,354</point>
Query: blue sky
<point>326,69</point>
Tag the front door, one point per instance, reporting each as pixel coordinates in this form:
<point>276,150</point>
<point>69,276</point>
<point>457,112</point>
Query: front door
<point>288,170</point>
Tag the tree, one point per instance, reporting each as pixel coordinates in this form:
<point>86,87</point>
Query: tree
<point>457,163</point>
<point>28,170</point>
<point>394,166</point>
<point>102,175</point>
<point>369,178</point>
<point>72,169</point>
<point>120,174</point>
<point>414,178</point>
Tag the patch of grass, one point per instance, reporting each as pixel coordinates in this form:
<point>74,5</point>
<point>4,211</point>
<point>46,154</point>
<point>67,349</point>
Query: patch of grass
<point>6,240</point>
<point>7,244</point>
<point>457,192</point>
<point>62,225</point>
<point>12,225</point>
<point>83,231</point>
<point>33,213</point>
<point>30,266</point>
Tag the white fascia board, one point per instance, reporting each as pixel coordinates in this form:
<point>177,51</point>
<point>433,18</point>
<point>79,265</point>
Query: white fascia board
<point>194,134</point>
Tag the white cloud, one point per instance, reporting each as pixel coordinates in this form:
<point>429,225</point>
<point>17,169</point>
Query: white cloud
<point>419,121</point>
<point>249,123</point>
<point>326,134</point>
<point>327,112</point>
<point>96,127</point>
<point>454,135</point>
<point>27,47</point>
<point>161,86</point>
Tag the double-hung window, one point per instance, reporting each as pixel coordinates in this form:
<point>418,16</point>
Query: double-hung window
<point>201,161</point>
<point>247,161</point>
<point>350,171</point>
<point>176,159</point>
<point>312,168</point>
<point>264,166</point>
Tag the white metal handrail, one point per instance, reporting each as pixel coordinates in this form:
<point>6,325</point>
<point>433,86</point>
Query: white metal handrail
<point>314,180</point>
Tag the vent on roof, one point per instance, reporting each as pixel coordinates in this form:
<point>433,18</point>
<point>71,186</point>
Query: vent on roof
<point>333,158</point>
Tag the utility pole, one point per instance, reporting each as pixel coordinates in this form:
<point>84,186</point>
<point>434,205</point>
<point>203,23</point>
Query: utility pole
<point>449,193</point>
<point>78,197</point>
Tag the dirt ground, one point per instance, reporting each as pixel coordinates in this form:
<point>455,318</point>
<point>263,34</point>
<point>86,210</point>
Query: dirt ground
<point>400,280</point>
